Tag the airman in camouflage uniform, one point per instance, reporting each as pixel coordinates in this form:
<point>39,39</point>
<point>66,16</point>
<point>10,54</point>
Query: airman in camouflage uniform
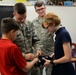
<point>45,37</point>
<point>25,35</point>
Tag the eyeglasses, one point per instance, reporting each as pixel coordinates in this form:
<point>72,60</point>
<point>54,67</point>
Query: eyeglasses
<point>39,9</point>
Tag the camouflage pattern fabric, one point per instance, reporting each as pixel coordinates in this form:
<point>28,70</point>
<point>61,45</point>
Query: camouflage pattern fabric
<point>25,40</point>
<point>45,37</point>
<point>24,37</point>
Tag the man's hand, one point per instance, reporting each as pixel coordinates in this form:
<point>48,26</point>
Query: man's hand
<point>35,60</point>
<point>39,53</point>
<point>29,56</point>
<point>52,55</point>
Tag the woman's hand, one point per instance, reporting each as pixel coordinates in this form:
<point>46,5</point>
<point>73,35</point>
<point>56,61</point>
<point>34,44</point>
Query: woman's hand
<point>47,62</point>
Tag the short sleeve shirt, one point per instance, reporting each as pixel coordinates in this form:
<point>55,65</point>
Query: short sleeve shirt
<point>11,59</point>
<point>62,36</point>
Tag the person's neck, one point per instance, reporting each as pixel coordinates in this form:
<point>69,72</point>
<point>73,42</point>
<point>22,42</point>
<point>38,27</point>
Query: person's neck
<point>4,36</point>
<point>41,16</point>
<point>57,27</point>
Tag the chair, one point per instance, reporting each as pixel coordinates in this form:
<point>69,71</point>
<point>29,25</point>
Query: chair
<point>73,49</point>
<point>74,53</point>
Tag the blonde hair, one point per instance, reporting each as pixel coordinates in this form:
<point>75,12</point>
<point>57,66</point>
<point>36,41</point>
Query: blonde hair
<point>51,17</point>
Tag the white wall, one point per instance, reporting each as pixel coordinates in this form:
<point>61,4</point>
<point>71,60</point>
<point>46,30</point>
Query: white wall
<point>67,15</point>
<point>7,2</point>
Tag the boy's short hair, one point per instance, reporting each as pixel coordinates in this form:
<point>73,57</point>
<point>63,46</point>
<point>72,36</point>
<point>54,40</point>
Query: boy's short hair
<point>8,24</point>
<point>39,4</point>
<point>20,8</point>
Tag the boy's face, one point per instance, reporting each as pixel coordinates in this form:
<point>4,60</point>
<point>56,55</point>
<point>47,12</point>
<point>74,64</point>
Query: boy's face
<point>41,10</point>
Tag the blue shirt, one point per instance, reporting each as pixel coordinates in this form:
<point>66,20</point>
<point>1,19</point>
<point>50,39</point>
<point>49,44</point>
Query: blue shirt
<point>62,36</point>
<point>67,68</point>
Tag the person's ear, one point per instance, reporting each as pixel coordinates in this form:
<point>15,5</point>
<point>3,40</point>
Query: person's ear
<point>11,32</point>
<point>14,13</point>
<point>53,23</point>
<point>35,10</point>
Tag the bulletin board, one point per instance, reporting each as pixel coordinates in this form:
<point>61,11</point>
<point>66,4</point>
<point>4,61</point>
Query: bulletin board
<point>5,11</point>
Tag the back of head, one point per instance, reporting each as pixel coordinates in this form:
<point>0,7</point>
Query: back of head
<point>39,4</point>
<point>8,24</point>
<point>20,8</point>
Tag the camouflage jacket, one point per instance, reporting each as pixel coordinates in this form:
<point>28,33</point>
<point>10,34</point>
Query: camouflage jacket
<point>25,38</point>
<point>45,37</point>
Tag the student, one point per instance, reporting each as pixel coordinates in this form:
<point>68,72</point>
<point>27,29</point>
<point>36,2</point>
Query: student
<point>11,60</point>
<point>25,34</point>
<point>45,37</point>
<point>62,64</point>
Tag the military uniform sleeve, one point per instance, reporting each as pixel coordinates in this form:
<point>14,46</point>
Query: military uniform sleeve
<point>36,41</point>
